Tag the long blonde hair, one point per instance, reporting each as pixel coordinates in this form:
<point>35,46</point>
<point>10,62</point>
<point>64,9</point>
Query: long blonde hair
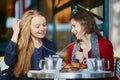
<point>25,47</point>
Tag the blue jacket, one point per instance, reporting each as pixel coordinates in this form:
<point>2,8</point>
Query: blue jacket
<point>47,49</point>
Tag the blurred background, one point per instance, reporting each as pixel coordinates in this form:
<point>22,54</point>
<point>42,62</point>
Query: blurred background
<point>106,13</point>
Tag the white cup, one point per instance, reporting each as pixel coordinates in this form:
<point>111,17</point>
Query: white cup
<point>59,64</point>
<point>101,65</point>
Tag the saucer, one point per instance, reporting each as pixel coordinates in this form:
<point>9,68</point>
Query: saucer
<point>48,71</point>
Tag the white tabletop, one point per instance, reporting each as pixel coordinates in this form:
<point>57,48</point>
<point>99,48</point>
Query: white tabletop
<point>81,74</point>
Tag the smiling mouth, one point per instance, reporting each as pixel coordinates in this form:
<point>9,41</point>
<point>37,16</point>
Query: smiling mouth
<point>41,33</point>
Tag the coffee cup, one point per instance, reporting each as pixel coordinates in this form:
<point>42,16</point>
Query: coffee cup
<point>102,64</point>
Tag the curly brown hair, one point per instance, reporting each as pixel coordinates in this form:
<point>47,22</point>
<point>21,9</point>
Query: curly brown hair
<point>86,20</point>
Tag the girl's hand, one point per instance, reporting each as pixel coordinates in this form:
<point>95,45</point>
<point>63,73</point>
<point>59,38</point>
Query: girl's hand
<point>16,29</point>
<point>79,56</point>
<point>16,25</point>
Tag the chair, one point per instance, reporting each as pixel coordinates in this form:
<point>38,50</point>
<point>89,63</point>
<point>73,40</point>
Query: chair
<point>117,67</point>
<point>3,66</point>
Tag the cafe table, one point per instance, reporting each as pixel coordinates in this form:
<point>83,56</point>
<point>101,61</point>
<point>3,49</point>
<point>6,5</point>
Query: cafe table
<point>58,75</point>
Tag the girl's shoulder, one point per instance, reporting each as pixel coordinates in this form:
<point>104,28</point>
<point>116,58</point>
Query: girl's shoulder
<point>104,40</point>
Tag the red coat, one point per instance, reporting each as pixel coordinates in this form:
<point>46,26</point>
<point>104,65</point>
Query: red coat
<point>106,52</point>
<point>105,48</point>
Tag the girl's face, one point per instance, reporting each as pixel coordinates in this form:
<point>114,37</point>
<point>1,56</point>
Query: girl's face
<point>38,27</point>
<point>76,29</point>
